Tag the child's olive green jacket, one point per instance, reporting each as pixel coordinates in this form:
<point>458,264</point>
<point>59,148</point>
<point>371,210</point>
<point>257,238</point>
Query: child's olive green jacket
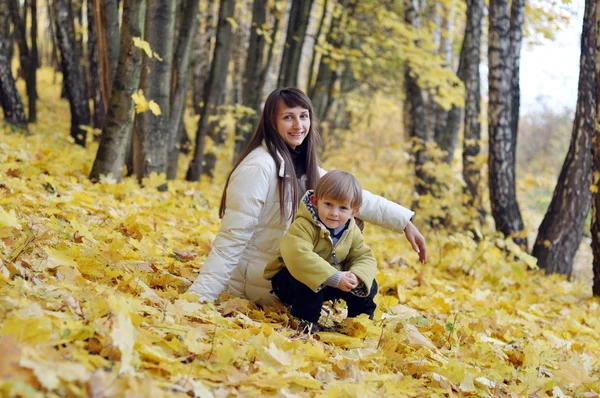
<point>307,251</point>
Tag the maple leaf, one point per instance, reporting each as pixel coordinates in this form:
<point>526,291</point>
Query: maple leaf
<point>9,219</point>
<point>123,338</point>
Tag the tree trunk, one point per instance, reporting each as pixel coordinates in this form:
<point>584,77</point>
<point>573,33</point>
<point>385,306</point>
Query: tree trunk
<point>181,77</point>
<point>517,23</point>
<point>33,65</point>
<point>470,58</point>
<point>151,134</point>
<point>51,25</point>
<point>561,230</point>
<point>328,73</point>
<point>446,137</point>
<point>239,54</point>
<point>595,229</point>
<point>113,35</point>
<point>202,55</point>
<point>65,31</point>
<point>252,89</point>
<point>5,32</point>
<point>99,108</point>
<point>9,96</point>
<point>414,111</point>
<point>292,50</point>
<point>77,11</point>
<point>214,86</point>
<point>316,51</point>
<point>102,51</point>
<point>116,135</point>
<point>505,208</point>
<point>19,29</point>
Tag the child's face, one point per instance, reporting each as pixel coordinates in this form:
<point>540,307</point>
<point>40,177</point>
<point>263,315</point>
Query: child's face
<point>333,213</point>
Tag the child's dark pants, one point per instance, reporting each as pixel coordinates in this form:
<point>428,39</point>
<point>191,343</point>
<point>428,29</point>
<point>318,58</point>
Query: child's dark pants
<point>306,304</point>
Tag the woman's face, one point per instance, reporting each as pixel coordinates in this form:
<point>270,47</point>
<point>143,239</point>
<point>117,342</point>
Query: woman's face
<point>293,124</point>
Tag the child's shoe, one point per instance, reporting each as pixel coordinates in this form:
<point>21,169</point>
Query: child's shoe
<point>305,326</point>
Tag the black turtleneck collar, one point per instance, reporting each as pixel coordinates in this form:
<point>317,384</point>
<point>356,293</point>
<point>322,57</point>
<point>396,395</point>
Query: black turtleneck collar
<point>299,163</point>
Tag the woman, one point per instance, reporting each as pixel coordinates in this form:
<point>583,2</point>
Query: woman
<point>262,195</point>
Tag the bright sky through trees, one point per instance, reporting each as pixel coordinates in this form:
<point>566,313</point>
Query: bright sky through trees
<point>550,71</point>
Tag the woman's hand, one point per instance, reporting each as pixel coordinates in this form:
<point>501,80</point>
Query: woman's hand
<point>417,241</point>
<point>348,281</point>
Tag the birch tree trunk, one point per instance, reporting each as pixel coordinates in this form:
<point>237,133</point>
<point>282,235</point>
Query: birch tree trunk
<point>561,230</point>
<point>505,208</point>
<point>9,96</point>
<point>70,65</point>
<point>114,142</point>
<point>214,86</point>
<point>180,79</point>
<point>151,133</point>
<point>292,50</point>
<point>517,23</point>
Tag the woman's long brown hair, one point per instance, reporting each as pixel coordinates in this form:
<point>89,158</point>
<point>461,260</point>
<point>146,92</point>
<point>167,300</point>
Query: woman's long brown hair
<point>267,132</point>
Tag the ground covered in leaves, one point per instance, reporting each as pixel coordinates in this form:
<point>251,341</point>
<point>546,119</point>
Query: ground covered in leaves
<point>93,300</point>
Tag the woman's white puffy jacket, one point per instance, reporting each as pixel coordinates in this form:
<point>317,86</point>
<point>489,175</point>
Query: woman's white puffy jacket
<point>251,230</point>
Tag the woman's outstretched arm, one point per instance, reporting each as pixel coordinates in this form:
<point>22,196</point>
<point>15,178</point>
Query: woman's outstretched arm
<point>377,210</point>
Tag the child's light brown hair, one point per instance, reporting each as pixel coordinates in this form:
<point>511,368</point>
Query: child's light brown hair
<point>341,186</point>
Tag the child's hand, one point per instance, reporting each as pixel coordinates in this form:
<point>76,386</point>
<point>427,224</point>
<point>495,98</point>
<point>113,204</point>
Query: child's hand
<point>348,281</point>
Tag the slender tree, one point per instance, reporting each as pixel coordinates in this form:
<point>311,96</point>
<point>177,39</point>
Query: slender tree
<point>99,107</point>
<point>151,133</point>
<point>9,96</point>
<point>214,86</point>
<point>561,230</point>
<point>414,110</point>
<point>33,66</point>
<point>517,23</point>
<point>180,79</point>
<point>470,58</point>
<point>112,32</point>
<point>446,133</point>
<point>505,208</point>
<point>202,53</point>
<point>19,28</point>
<point>253,84</point>
<point>327,74</point>
<point>5,31</point>
<point>114,142</point>
<point>292,51</point>
<point>316,52</point>
<point>65,32</point>
<point>595,230</point>
<point>77,12</point>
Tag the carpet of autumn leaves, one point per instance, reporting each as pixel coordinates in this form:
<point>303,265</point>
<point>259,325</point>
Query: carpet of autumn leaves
<point>93,301</point>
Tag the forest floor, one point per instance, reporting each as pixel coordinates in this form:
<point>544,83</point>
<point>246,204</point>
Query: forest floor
<point>93,281</point>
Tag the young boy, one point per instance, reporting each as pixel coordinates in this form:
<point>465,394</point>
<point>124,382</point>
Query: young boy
<point>323,256</point>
